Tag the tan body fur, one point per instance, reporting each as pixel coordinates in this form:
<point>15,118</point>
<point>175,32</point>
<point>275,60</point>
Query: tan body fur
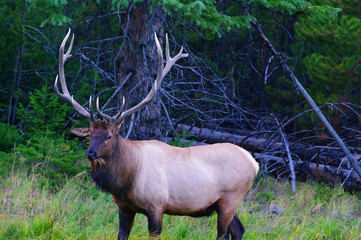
<point>187,180</point>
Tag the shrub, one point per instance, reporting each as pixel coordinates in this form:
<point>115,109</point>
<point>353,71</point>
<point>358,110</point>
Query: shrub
<point>44,113</point>
<point>180,139</point>
<point>10,136</point>
<point>55,159</point>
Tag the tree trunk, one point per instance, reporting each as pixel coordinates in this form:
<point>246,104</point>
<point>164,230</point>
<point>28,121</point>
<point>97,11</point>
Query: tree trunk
<point>254,143</point>
<point>139,57</point>
<point>212,136</point>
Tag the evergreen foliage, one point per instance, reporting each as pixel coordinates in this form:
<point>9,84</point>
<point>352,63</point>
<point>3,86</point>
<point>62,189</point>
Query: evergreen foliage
<point>328,40</point>
<point>10,137</point>
<point>44,114</point>
<point>290,6</point>
<point>59,158</point>
<point>180,140</point>
<point>333,37</point>
<point>42,119</point>
<point>203,13</point>
<point>52,10</point>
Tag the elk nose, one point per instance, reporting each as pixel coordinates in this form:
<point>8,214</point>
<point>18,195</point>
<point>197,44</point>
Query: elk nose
<point>91,155</point>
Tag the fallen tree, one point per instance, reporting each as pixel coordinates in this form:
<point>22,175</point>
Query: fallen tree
<point>212,136</point>
<point>253,142</point>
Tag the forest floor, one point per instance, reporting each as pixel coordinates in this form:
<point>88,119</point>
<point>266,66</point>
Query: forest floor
<point>80,211</point>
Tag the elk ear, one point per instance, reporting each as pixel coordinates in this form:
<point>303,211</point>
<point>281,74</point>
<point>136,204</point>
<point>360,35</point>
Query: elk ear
<point>80,132</point>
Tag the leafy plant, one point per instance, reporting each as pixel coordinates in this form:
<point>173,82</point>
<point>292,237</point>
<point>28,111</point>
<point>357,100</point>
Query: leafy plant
<point>44,112</point>
<point>57,159</point>
<point>51,9</point>
<point>202,13</point>
<point>10,136</point>
<point>180,139</point>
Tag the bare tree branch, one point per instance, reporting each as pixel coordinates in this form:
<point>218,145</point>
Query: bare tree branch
<point>355,164</point>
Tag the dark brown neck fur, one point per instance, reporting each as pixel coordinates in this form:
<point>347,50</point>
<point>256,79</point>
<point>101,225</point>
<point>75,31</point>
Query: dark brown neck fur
<point>116,176</point>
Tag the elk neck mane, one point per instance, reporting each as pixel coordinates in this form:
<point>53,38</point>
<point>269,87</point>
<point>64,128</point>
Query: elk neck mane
<point>117,174</point>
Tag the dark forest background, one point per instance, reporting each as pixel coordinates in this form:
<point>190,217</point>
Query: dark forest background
<point>231,85</point>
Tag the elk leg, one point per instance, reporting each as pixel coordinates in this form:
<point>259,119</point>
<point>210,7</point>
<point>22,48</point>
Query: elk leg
<point>126,219</point>
<point>155,223</point>
<point>226,211</point>
<point>223,234</point>
<point>236,228</point>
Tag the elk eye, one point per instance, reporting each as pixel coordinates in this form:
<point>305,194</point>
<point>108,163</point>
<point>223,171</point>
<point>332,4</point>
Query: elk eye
<point>109,137</point>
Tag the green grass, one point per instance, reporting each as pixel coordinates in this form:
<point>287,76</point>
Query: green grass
<point>80,211</point>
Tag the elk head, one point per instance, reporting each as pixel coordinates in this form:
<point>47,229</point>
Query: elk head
<point>103,133</point>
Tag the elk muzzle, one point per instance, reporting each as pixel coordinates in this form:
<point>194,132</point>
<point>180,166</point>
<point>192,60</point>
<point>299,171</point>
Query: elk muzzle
<point>91,154</point>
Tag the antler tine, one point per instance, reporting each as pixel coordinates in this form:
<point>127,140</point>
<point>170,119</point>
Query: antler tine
<point>110,119</point>
<point>172,61</point>
<point>167,47</point>
<point>103,115</point>
<point>91,108</point>
<point>68,53</point>
<point>62,58</point>
<point>61,77</point>
<point>158,80</point>
<point>162,71</point>
<point>122,107</point>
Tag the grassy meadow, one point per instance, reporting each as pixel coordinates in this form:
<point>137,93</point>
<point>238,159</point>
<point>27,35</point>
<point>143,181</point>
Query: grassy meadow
<point>80,211</point>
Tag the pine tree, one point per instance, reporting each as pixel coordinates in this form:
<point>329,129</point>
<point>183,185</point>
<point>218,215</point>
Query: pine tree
<point>331,31</point>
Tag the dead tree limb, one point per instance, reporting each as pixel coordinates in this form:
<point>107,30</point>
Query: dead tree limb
<point>258,142</point>
<point>212,136</point>
<point>289,72</point>
<point>290,160</point>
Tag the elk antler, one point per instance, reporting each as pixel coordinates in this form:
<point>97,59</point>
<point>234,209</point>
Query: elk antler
<point>62,58</point>
<point>106,116</point>
<point>162,71</point>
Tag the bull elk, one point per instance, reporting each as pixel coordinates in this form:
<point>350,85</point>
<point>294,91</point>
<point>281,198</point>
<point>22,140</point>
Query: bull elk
<point>153,178</point>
